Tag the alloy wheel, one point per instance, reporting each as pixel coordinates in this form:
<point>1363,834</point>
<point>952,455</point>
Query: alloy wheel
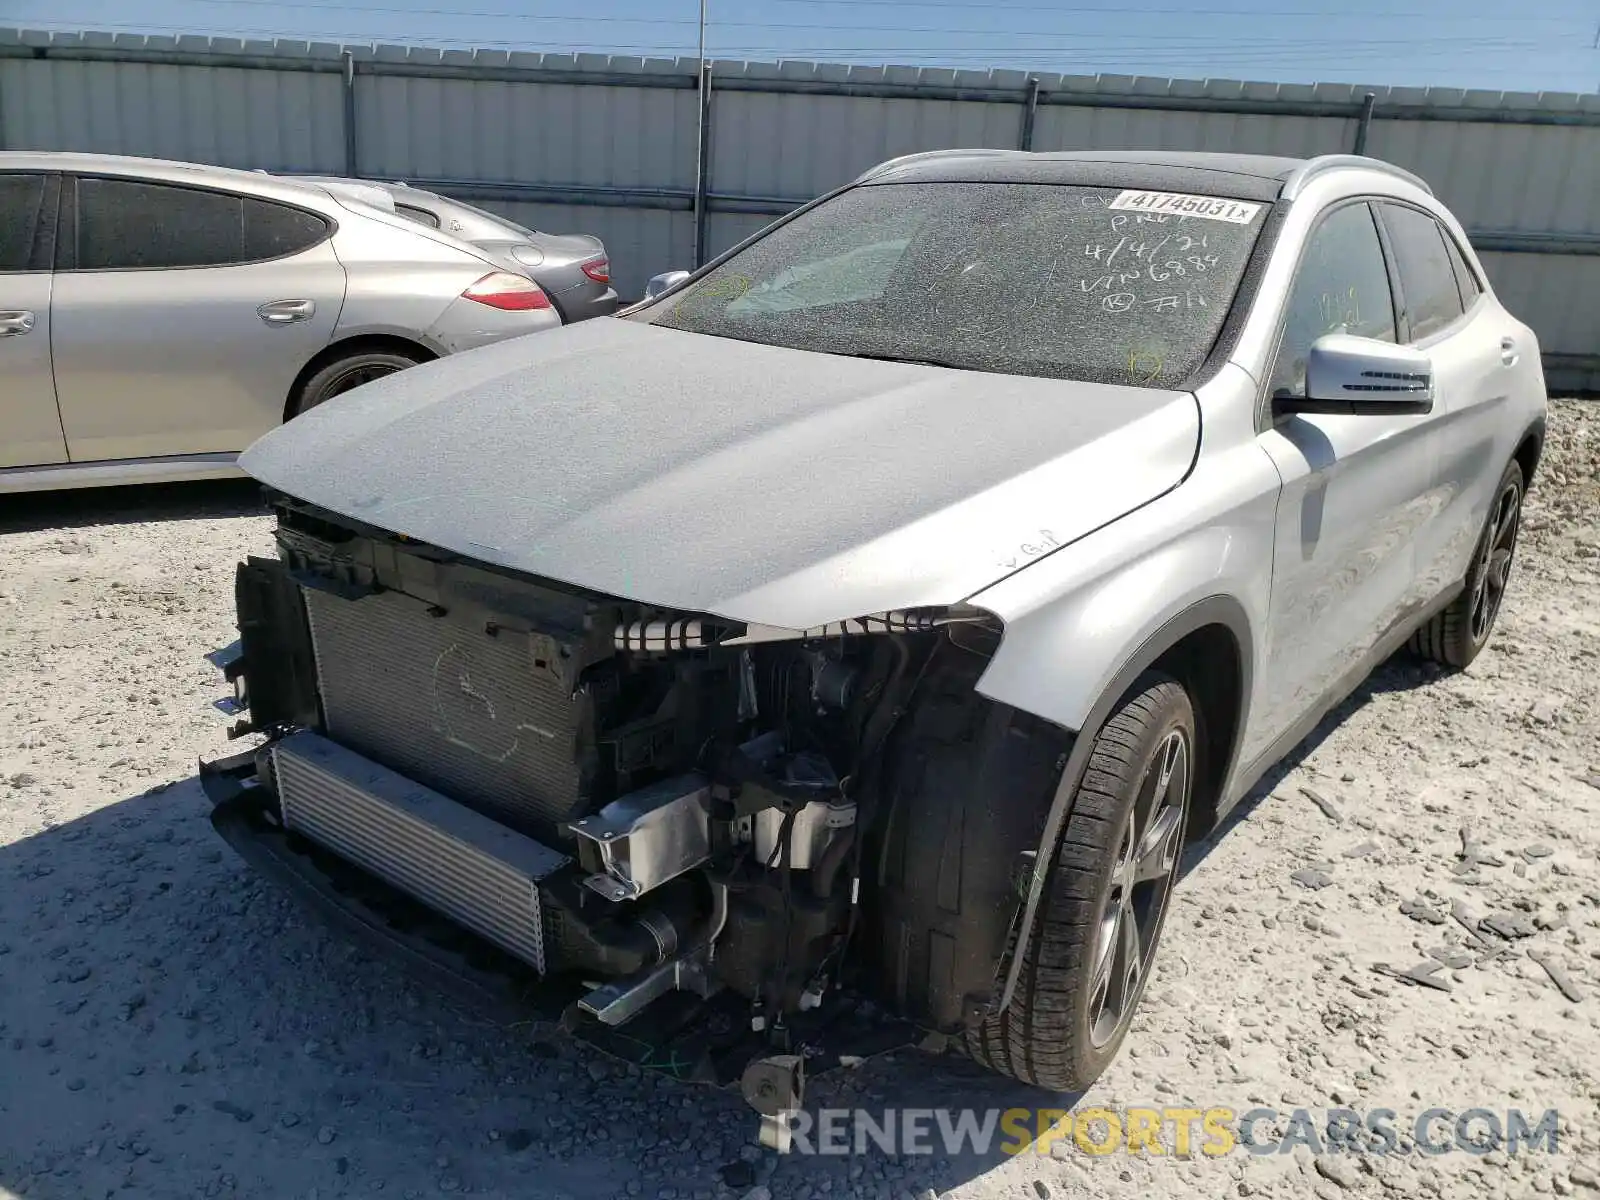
<point>1494,563</point>
<point>1141,883</point>
<point>355,377</point>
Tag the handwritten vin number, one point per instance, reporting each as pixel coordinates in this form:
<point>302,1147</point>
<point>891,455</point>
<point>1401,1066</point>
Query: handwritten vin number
<point>1208,207</point>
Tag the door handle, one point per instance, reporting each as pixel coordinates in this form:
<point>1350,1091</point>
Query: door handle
<point>287,312</point>
<point>1508,351</point>
<point>15,322</point>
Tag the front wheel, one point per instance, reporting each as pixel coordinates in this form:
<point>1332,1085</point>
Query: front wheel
<point>1105,899</point>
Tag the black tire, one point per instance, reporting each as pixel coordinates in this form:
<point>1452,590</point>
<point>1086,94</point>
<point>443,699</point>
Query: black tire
<point>1458,633</point>
<point>351,371</point>
<point>1070,1014</point>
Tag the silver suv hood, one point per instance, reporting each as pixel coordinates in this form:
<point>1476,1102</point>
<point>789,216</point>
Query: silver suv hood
<point>764,485</point>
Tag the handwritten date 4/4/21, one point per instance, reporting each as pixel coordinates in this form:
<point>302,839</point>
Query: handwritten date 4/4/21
<point>1210,208</point>
<point>1149,251</point>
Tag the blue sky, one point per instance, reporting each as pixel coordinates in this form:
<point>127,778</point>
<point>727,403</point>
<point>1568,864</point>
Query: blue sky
<point>1535,46</point>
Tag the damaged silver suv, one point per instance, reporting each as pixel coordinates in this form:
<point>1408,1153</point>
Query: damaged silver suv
<point>847,640</point>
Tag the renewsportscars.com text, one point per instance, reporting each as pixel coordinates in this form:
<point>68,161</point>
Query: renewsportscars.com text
<point>1181,1132</point>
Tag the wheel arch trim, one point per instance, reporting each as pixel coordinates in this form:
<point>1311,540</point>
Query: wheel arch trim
<point>1534,433</point>
<point>1219,609</point>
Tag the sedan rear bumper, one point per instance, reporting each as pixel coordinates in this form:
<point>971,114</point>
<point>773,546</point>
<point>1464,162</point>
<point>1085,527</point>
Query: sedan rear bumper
<point>585,301</point>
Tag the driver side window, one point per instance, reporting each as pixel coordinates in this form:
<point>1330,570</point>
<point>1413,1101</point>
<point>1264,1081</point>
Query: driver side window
<point>1342,286</point>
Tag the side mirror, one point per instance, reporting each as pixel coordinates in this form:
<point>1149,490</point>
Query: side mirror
<point>663,282</point>
<point>1346,374</point>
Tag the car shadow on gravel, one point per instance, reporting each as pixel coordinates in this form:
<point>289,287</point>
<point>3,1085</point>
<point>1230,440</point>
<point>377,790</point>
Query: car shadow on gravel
<point>75,508</point>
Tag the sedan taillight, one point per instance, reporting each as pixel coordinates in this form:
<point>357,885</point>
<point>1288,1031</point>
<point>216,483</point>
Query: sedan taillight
<point>507,292</point>
<point>597,269</point>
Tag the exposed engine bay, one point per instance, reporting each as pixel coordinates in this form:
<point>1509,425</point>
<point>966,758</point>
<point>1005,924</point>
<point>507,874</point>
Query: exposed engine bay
<point>639,802</point>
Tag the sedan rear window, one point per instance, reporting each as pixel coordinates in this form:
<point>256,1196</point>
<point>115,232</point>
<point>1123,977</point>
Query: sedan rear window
<point>1068,282</point>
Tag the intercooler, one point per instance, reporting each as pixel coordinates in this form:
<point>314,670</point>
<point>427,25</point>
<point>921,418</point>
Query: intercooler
<point>470,713</point>
<point>458,862</point>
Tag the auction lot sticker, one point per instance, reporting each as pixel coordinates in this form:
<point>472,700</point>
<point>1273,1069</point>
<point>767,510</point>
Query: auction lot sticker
<point>1184,205</point>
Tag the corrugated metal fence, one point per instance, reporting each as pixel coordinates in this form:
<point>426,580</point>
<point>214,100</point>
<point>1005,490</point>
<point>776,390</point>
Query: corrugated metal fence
<point>608,144</point>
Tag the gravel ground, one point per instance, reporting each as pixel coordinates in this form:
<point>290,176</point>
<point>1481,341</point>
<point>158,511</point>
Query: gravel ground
<point>171,1026</point>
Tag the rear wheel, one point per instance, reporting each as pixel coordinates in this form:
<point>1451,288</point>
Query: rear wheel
<point>1456,635</point>
<point>1105,899</point>
<point>351,371</point>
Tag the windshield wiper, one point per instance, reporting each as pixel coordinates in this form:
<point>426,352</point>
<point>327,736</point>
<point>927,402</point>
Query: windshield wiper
<point>905,358</point>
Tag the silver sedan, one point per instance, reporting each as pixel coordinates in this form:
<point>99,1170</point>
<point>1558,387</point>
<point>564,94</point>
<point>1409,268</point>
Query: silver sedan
<point>573,267</point>
<point>157,317</point>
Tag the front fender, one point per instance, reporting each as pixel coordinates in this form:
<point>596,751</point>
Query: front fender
<point>1074,618</point>
<point>1059,659</point>
<point>1084,622</point>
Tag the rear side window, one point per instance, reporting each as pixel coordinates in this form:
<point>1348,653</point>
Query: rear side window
<point>129,223</point>
<point>21,200</point>
<point>1341,286</point>
<point>1466,282</point>
<point>1427,280</point>
<point>275,230</point>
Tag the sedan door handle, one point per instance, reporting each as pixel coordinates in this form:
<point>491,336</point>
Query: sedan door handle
<point>1508,351</point>
<point>287,312</point>
<point>16,322</point>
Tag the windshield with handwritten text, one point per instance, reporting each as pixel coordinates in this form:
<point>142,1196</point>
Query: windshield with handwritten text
<point>1099,284</point>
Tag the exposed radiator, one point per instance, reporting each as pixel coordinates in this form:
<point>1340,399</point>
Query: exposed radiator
<point>458,862</point>
<point>470,714</point>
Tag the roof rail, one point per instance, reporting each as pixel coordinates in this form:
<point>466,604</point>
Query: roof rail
<point>1323,163</point>
<point>922,155</point>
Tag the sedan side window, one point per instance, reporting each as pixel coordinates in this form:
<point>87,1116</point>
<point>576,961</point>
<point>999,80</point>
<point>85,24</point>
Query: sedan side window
<point>125,223</point>
<point>1427,280</point>
<point>129,223</point>
<point>21,198</point>
<point>276,230</point>
<point>1342,286</point>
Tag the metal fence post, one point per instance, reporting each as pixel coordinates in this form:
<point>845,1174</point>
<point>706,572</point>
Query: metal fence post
<point>1364,123</point>
<point>350,160</point>
<point>1030,110</point>
<point>702,166</point>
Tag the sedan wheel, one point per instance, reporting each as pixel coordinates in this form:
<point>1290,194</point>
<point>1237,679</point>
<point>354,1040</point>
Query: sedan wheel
<point>348,373</point>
